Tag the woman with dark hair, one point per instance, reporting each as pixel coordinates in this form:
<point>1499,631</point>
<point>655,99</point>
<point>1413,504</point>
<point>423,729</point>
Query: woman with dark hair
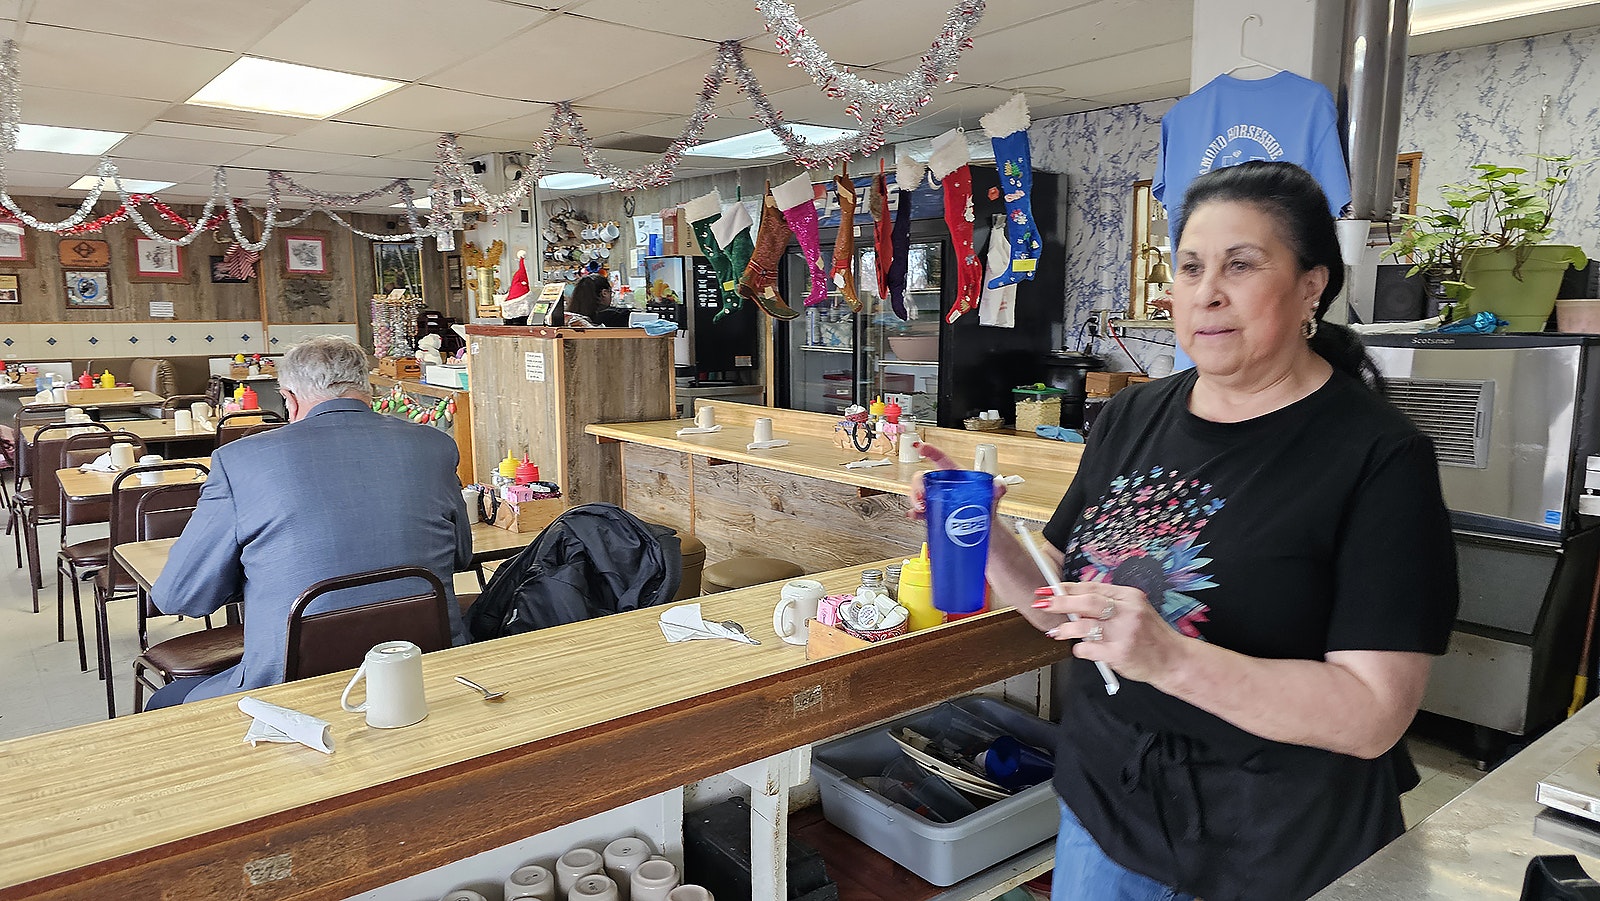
<point>590,304</point>
<point>1260,550</point>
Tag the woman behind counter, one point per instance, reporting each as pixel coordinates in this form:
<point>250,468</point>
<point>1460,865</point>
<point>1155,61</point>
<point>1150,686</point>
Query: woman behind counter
<point>588,306</point>
<point>1260,549</point>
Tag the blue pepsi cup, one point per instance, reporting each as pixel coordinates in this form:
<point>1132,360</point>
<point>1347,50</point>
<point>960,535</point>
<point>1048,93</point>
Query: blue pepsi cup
<point>960,507</point>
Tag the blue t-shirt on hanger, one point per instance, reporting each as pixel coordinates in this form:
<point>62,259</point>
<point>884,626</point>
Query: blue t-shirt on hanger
<point>1284,118</point>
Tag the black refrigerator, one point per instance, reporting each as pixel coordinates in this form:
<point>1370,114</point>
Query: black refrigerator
<point>941,373</point>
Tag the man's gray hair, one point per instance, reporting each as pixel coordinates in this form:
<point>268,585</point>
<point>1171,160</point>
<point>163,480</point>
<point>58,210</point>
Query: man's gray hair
<point>324,367</point>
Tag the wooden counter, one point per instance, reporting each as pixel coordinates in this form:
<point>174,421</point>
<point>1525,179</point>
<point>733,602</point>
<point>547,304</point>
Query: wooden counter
<point>798,502</point>
<point>535,389</point>
<point>171,803</point>
<point>460,427</point>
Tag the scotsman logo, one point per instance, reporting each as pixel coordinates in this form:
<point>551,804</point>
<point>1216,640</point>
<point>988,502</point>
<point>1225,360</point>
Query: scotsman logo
<point>968,525</point>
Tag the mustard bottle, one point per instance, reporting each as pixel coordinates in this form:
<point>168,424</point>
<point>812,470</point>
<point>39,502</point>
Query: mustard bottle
<point>508,466</point>
<point>107,380</point>
<point>916,591</point>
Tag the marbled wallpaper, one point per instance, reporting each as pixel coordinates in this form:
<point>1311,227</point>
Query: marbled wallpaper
<point>1490,103</point>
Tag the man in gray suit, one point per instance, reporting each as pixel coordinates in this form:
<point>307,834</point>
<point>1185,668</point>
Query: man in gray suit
<point>339,490</point>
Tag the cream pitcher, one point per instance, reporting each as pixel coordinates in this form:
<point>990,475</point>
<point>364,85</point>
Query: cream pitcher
<point>395,698</point>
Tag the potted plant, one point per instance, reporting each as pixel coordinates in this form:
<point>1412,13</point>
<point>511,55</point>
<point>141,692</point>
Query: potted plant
<point>1487,244</point>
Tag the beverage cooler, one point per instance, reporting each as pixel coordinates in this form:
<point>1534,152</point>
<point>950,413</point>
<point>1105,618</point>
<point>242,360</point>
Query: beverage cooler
<point>713,358</point>
<point>940,373</point>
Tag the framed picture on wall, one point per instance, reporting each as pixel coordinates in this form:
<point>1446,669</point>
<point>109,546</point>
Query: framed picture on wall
<point>452,271</point>
<point>397,266</point>
<point>89,289</point>
<point>10,289</point>
<point>155,261</point>
<point>16,249</point>
<point>306,254</point>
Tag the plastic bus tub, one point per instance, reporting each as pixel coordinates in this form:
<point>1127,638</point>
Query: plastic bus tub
<point>941,853</point>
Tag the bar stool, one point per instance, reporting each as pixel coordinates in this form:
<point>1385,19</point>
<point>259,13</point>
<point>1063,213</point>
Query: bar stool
<point>694,561</point>
<point>742,572</point>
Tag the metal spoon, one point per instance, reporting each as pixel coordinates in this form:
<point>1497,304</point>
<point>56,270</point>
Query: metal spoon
<point>737,629</point>
<point>487,694</point>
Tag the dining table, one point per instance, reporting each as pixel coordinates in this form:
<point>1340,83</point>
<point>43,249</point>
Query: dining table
<point>82,487</point>
<point>153,431</point>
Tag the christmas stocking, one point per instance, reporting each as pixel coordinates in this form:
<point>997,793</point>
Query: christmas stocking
<point>732,234</point>
<point>998,305</point>
<point>1007,128</point>
<point>794,197</point>
<point>948,165</point>
<point>882,233</point>
<point>761,274</point>
<point>844,248</point>
<point>701,213</point>
<point>907,178</point>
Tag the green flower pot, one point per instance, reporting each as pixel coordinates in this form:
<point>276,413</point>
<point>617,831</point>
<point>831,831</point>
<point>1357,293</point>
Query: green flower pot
<point>1526,298</point>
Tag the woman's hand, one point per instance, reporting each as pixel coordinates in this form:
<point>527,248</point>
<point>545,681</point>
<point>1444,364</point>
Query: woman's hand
<point>940,460</point>
<point>1116,625</point>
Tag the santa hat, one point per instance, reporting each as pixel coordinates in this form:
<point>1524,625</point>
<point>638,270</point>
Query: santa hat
<point>519,282</point>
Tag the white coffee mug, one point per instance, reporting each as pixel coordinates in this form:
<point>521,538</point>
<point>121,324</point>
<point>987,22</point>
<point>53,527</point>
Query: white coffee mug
<point>182,421</point>
<point>622,857</point>
<point>531,883</point>
<point>594,888</point>
<point>200,409</point>
<point>151,478</point>
<point>654,880</point>
<point>986,459</point>
<point>705,417</point>
<point>574,865</point>
<point>59,395</point>
<point>798,603</point>
<point>122,455</point>
<point>464,894</point>
<point>909,452</point>
<point>395,698</point>
<point>690,893</point>
<point>763,431</point>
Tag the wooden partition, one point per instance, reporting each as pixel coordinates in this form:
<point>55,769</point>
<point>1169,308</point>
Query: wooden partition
<point>534,390</point>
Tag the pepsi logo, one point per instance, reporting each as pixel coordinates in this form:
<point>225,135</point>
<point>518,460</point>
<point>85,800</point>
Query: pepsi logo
<point>967,526</point>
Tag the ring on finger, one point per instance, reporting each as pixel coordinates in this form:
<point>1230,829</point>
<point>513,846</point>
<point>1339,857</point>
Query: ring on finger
<point>1109,611</point>
<point>1096,633</point>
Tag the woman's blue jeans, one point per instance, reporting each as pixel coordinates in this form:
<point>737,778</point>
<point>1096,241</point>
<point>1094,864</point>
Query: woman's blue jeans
<point>1084,873</point>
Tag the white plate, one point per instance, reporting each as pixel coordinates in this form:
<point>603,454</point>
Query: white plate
<point>940,768</point>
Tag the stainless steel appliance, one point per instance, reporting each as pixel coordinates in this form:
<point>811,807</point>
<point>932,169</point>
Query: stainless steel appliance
<point>1512,418</point>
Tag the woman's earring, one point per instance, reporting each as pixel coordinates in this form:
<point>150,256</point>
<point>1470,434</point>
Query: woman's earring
<point>1308,329</point>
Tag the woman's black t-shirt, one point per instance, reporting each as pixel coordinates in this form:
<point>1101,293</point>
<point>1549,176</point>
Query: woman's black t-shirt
<point>1318,527</point>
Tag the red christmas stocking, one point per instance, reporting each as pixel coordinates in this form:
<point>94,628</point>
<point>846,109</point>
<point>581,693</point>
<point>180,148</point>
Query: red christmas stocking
<point>843,273</point>
<point>794,197</point>
<point>948,165</point>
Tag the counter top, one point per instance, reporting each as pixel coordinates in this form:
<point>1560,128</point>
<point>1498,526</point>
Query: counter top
<point>1479,845</point>
<point>811,453</point>
<point>171,804</point>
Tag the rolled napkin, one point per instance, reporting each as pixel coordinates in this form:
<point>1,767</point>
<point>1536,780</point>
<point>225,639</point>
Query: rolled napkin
<point>698,430</point>
<point>280,724</point>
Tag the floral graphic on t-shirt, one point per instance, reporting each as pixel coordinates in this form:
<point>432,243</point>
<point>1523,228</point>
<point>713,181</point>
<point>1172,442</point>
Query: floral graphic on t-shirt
<point>1144,533</point>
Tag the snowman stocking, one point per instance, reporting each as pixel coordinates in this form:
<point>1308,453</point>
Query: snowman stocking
<point>795,199</point>
<point>761,273</point>
<point>1007,127</point>
<point>998,305</point>
<point>882,234</point>
<point>948,165</point>
<point>701,213</point>
<point>732,234</point>
<point>843,273</point>
<point>907,178</point>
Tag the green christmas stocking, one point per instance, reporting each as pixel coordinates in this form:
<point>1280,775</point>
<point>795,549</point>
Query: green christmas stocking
<point>732,234</point>
<point>701,213</point>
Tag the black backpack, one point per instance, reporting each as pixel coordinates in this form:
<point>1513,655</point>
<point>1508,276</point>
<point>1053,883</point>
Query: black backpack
<point>593,560</point>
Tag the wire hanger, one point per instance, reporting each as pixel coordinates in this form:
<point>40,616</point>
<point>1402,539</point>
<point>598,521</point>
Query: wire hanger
<point>1246,60</point>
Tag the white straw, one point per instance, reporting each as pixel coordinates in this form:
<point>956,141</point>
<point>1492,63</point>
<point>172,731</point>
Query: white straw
<point>1053,579</point>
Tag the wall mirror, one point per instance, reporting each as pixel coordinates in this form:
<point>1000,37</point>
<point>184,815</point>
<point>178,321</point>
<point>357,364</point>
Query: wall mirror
<point>1150,271</point>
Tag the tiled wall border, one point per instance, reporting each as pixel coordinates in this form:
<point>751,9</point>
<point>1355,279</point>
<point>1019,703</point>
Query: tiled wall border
<point>105,340</point>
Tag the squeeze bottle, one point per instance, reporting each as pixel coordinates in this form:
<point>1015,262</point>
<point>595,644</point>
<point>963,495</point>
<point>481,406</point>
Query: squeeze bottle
<point>107,380</point>
<point>916,591</point>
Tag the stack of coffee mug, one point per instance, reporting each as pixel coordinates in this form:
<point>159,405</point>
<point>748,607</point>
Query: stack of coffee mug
<point>627,870</point>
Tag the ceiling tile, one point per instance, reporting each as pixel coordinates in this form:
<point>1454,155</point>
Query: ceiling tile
<point>291,160</point>
<point>423,108</point>
<point>77,109</point>
<point>345,137</point>
<point>576,56</point>
<point>854,35</point>
<point>210,133</point>
<point>1143,95</point>
<point>238,120</point>
<point>389,169</point>
<point>106,64</point>
<point>1157,65</point>
<point>676,89</point>
<point>155,170</point>
<point>54,163</point>
<point>177,150</point>
<point>596,122</point>
<point>714,20</point>
<point>196,23</point>
<point>399,39</point>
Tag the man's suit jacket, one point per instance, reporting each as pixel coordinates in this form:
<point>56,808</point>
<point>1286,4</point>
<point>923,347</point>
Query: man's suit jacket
<point>341,491</point>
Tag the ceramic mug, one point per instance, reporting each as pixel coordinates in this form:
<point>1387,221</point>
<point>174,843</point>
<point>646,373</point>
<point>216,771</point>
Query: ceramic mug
<point>395,696</point>
<point>705,417</point>
<point>986,458</point>
<point>58,395</point>
<point>531,883</point>
<point>574,865</point>
<point>200,410</point>
<point>122,455</point>
<point>622,857</point>
<point>763,430</point>
<point>909,452</point>
<point>654,880</point>
<point>151,478</point>
<point>464,894</point>
<point>798,602</point>
<point>594,888</point>
<point>182,421</point>
<point>690,893</point>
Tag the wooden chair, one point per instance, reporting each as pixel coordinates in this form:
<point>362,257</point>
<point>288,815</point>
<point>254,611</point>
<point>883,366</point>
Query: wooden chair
<point>162,513</point>
<point>112,582</point>
<point>333,640</point>
<point>22,497</point>
<point>42,502</point>
<point>79,561</point>
<point>243,421</point>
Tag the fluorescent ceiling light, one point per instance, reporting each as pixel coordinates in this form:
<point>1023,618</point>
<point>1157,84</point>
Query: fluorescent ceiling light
<point>54,139</point>
<point>564,181</point>
<point>131,185</point>
<point>421,203</point>
<point>1428,16</point>
<point>758,144</point>
<point>285,89</point>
